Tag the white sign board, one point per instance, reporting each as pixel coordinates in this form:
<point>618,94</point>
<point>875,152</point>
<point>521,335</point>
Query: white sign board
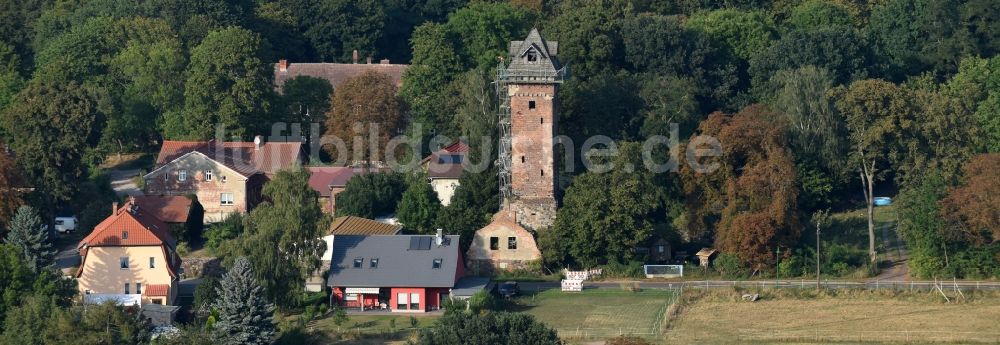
<point>572,285</point>
<point>577,275</point>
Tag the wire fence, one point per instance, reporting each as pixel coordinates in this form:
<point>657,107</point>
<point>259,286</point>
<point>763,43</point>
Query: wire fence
<point>964,286</point>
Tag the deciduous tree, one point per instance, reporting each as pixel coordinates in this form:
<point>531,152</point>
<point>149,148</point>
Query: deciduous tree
<point>283,236</point>
<point>457,328</point>
<point>747,33</point>
<point>419,205</point>
<point>972,210</point>
<point>228,84</point>
<point>365,111</point>
<point>370,195</point>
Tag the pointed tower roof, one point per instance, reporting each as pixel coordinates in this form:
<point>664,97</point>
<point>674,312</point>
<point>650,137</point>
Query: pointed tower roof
<point>534,55</point>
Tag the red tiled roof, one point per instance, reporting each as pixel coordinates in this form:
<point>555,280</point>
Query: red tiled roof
<point>243,157</point>
<point>335,73</point>
<point>321,179</point>
<point>168,208</point>
<point>139,225</point>
<point>157,290</point>
<point>447,162</point>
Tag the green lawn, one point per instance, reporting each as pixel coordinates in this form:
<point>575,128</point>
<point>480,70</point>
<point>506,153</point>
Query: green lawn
<point>598,313</point>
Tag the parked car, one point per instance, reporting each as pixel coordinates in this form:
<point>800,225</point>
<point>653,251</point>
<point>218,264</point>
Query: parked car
<point>509,289</point>
<point>66,224</point>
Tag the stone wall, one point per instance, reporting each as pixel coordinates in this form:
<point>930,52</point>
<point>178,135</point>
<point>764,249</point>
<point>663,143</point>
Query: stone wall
<point>483,258</point>
<point>534,213</point>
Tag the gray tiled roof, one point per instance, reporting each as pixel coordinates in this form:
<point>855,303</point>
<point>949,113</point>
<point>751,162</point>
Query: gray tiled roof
<point>398,266</point>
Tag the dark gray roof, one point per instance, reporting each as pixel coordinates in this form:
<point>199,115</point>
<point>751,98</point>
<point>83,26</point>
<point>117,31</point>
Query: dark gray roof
<point>469,286</point>
<point>547,60</point>
<point>398,265</point>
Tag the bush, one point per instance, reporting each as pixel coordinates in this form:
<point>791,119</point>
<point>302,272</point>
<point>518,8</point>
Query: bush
<point>221,233</point>
<point>729,266</point>
<point>183,249</point>
<point>617,270</point>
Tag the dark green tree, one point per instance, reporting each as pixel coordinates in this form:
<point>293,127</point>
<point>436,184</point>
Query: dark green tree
<point>228,84</point>
<point>606,214</point>
<point>921,226</point>
<point>28,233</point>
<point>338,27</point>
<point>370,195</point>
<point>51,126</point>
<point>306,100</point>
<point>419,205</point>
<point>245,314</point>
<point>818,14</point>
<point>840,50</point>
<point>27,323</point>
<point>10,77</point>
<point>921,35</point>
<point>283,236</point>
<point>458,328</point>
<point>589,35</point>
<point>472,207</point>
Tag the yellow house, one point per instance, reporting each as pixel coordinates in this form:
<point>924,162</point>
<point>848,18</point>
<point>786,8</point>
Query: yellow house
<point>129,257</point>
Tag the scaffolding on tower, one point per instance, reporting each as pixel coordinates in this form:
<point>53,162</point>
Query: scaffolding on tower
<point>503,114</point>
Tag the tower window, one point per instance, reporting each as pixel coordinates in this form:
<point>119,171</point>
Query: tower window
<point>541,120</point>
<point>542,172</point>
<point>522,159</point>
<point>531,104</point>
<point>532,56</point>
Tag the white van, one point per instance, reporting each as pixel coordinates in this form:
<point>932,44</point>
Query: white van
<point>65,224</point>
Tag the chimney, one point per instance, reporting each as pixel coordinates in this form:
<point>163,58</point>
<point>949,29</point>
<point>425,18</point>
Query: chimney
<point>114,208</point>
<point>384,61</point>
<point>283,65</point>
<point>354,57</point>
<point>369,60</point>
<point>439,238</point>
<point>258,141</point>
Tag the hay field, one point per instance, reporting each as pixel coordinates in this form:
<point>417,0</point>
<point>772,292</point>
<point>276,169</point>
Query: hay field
<point>852,318</point>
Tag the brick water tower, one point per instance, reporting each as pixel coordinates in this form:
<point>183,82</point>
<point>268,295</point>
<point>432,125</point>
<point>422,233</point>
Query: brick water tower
<point>528,118</point>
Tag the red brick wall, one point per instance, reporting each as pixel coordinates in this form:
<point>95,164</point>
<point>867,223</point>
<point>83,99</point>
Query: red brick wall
<point>246,192</point>
<point>532,130</point>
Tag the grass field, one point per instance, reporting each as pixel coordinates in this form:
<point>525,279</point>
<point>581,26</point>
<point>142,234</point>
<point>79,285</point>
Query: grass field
<point>858,317</point>
<point>598,313</point>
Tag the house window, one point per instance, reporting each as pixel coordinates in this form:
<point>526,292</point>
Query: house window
<point>494,243</point>
<point>531,105</point>
<point>414,301</point>
<point>373,262</point>
<point>158,301</point>
<point>358,262</point>
<point>437,263</point>
<point>659,248</point>
<point>123,262</point>
<point>127,289</point>
<point>166,176</point>
<point>208,175</point>
<point>223,179</point>
<point>512,242</point>
<point>152,262</point>
<point>138,288</point>
<point>532,56</point>
<point>226,198</point>
<point>401,300</point>
<point>124,235</point>
<point>182,175</point>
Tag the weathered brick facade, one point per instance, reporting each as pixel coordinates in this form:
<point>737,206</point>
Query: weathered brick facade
<point>503,245</point>
<point>245,191</point>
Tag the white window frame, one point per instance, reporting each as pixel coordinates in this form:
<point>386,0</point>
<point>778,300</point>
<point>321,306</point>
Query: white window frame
<point>182,175</point>
<point>223,200</point>
<point>208,175</point>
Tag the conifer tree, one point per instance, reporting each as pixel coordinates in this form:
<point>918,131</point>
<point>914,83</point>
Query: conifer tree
<point>27,233</point>
<point>245,315</point>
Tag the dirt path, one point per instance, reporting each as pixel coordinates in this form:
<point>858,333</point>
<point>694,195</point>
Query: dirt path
<point>895,251</point>
<point>122,183</point>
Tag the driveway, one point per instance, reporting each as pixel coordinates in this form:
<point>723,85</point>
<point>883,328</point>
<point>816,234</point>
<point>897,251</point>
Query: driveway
<point>67,259</point>
<point>122,182</point>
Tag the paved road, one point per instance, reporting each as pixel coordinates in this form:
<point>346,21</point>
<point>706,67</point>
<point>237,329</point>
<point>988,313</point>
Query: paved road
<point>122,183</point>
<point>67,258</point>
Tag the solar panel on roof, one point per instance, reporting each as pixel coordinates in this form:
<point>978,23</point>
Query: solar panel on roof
<point>414,243</point>
<point>425,243</point>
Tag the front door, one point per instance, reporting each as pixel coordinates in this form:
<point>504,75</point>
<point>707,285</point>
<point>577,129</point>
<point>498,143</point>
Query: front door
<point>442,299</point>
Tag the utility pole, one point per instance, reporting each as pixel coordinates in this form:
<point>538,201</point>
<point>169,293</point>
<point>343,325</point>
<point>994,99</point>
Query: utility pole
<point>819,217</point>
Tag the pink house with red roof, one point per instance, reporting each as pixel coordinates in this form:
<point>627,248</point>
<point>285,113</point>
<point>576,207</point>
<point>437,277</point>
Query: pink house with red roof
<point>130,257</point>
<point>226,177</point>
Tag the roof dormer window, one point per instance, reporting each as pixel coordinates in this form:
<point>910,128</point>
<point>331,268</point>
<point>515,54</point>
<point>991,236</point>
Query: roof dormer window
<point>532,56</point>
<point>124,235</point>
